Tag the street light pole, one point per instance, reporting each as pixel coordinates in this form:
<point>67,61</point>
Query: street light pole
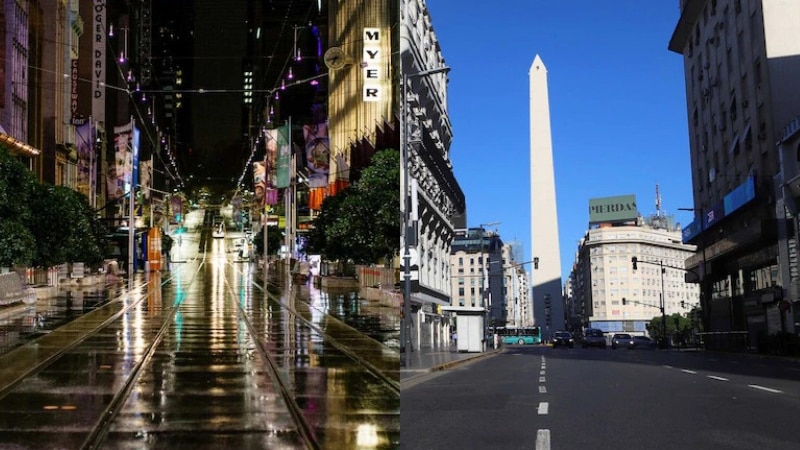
<point>406,344</point>
<point>704,304</point>
<point>485,299</point>
<point>663,304</point>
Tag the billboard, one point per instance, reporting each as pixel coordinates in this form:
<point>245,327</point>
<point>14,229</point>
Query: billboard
<point>621,208</point>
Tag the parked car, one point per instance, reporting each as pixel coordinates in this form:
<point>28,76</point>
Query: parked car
<point>563,339</point>
<point>643,342</point>
<point>593,337</point>
<point>622,340</point>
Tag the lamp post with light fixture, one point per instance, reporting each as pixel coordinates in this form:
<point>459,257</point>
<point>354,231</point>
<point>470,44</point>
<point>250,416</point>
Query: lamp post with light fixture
<point>704,302</point>
<point>660,264</point>
<point>409,230</point>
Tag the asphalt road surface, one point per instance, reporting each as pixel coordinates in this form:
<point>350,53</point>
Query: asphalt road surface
<point>543,398</point>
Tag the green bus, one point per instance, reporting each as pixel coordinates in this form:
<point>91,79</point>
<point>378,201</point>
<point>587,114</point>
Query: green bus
<point>520,335</point>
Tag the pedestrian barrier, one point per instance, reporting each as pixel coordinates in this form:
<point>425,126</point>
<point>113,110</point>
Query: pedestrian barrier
<point>12,290</point>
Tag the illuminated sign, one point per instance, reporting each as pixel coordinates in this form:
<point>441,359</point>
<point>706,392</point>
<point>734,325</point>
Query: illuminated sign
<point>99,60</point>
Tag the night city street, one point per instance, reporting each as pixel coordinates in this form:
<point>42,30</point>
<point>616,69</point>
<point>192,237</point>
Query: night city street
<point>201,356</point>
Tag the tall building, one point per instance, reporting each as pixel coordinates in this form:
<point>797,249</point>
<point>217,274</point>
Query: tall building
<point>477,265</point>
<point>547,299</point>
<point>516,289</point>
<point>431,199</point>
<point>741,68</point>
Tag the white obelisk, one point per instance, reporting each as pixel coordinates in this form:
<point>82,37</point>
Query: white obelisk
<point>548,304</point>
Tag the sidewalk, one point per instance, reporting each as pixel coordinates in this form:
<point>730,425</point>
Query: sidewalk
<point>429,360</point>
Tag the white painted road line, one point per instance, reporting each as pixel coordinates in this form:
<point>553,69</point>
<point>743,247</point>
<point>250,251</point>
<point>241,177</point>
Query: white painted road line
<point>774,391</point>
<point>543,406</point>
<point>543,440</point>
<point>718,378</point>
<point>688,371</point>
<point>541,372</point>
<point>542,390</point>
<point>541,379</point>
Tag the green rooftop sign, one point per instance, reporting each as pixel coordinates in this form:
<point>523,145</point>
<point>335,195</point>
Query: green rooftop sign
<point>612,209</point>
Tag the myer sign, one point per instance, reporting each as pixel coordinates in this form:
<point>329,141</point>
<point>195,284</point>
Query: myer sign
<point>373,66</point>
<point>612,209</point>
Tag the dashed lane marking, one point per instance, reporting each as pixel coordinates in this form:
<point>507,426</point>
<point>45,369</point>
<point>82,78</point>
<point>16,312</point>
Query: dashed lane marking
<point>541,379</point>
<point>542,390</point>
<point>762,388</point>
<point>688,371</point>
<point>713,377</point>
<point>543,407</point>
<point>541,372</point>
<point>543,440</point>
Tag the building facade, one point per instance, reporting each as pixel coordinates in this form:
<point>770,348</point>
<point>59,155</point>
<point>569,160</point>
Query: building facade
<point>604,274</point>
<point>431,199</point>
<point>516,289</point>
<point>741,68</point>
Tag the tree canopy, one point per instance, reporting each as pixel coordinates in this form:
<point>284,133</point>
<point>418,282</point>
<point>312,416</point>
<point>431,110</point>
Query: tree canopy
<point>362,223</point>
<point>44,225</point>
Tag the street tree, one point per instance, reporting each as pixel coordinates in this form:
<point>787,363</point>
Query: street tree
<point>362,224</point>
<point>65,227</point>
<point>44,225</point>
<point>679,328</point>
<point>17,244</point>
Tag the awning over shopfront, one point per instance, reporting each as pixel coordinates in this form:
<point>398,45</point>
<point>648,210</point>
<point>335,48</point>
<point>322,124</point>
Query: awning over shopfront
<point>16,146</point>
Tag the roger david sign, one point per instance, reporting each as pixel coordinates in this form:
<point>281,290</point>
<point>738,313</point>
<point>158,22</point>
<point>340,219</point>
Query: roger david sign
<point>612,209</point>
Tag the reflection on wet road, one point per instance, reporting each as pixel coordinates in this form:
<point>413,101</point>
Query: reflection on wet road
<point>206,356</point>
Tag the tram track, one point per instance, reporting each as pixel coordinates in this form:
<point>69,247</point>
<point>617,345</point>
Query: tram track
<point>159,327</point>
<point>391,382</point>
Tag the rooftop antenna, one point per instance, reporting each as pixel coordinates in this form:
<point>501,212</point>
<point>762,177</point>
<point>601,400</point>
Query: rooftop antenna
<point>658,201</point>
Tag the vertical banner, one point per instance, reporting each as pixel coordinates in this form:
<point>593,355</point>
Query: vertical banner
<point>84,141</point>
<point>135,149</point>
<point>146,177</point>
<point>259,182</point>
<point>271,163</point>
<point>99,61</point>
<point>318,154</point>
<point>284,162</point>
<point>119,170</point>
<point>176,209</point>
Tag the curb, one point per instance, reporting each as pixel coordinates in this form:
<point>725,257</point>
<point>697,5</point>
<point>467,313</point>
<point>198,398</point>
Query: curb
<point>412,380</point>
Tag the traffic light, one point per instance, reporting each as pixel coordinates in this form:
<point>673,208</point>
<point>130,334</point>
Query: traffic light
<point>624,302</point>
<point>634,260</point>
<point>683,304</point>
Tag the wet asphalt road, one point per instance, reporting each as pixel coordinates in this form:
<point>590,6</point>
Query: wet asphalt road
<point>202,356</point>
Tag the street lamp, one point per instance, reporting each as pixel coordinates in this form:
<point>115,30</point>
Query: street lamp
<point>485,299</point>
<point>408,232</point>
<point>703,301</point>
<point>663,269</point>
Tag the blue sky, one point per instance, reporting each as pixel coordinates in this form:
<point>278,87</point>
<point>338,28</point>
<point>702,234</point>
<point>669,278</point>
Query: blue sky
<point>617,108</point>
